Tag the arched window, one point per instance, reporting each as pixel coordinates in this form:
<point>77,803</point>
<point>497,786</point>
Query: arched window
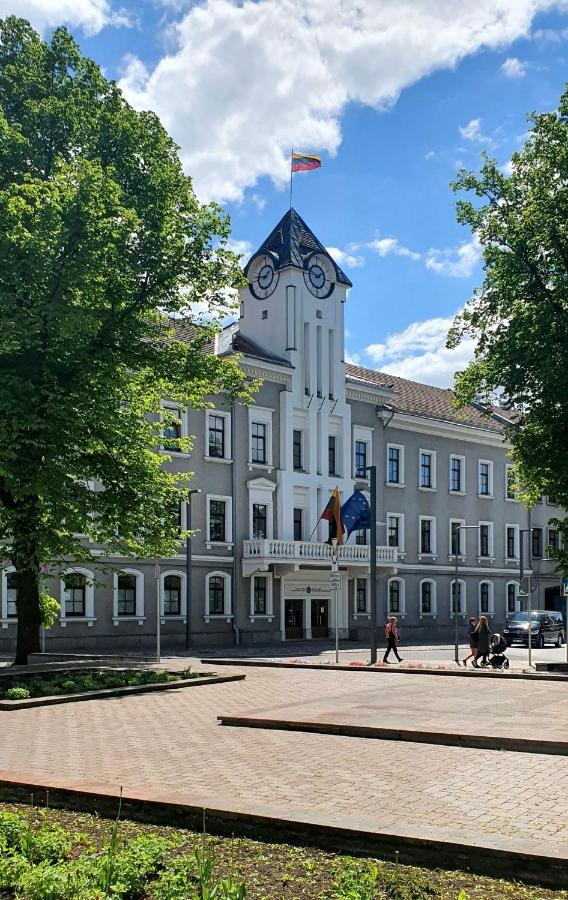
<point>485,598</point>
<point>172,595</point>
<point>396,596</point>
<point>512,602</point>
<point>75,594</point>
<point>217,594</point>
<point>460,597</point>
<point>128,595</point>
<point>427,597</point>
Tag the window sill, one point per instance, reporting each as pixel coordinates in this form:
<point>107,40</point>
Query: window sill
<point>228,545</point>
<point>428,556</point>
<point>487,559</point>
<point>218,459</point>
<point>485,497</point>
<point>452,558</point>
<point>428,615</point>
<point>428,490</point>
<point>216,618</point>
<point>263,618</point>
<point>116,620</point>
<point>13,620</point>
<point>362,615</point>
<point>177,453</point>
<point>512,561</point>
<point>164,619</point>
<point>395,484</point>
<point>361,479</point>
<point>90,620</point>
<point>512,500</point>
<point>456,493</point>
<point>266,467</point>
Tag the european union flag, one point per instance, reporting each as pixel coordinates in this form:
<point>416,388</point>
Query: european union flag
<point>356,513</point>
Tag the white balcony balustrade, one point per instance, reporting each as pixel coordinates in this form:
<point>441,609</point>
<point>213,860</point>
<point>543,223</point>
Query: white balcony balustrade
<point>260,554</point>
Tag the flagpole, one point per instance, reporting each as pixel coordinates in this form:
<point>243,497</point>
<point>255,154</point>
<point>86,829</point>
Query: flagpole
<point>291,163</point>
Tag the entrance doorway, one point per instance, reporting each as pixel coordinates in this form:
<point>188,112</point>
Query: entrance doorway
<point>320,618</point>
<point>294,619</point>
<point>553,599</point>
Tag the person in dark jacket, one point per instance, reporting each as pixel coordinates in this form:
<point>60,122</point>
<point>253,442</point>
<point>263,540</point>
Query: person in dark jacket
<point>473,647</point>
<point>483,640</point>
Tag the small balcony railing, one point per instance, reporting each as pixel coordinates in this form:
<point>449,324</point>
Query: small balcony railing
<point>274,550</point>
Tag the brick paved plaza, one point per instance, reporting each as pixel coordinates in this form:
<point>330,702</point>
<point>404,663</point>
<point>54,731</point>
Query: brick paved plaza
<point>171,744</point>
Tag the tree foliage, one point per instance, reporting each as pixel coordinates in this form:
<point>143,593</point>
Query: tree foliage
<point>519,316</point>
<point>102,241</point>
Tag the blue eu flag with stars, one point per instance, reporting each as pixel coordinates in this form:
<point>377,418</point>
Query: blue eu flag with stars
<point>356,513</point>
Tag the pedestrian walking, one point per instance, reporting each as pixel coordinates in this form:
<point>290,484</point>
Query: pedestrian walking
<point>391,633</point>
<point>483,640</point>
<point>473,643</point>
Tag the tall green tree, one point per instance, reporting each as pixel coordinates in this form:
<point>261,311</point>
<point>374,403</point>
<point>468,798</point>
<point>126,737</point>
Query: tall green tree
<point>519,316</point>
<point>102,241</point>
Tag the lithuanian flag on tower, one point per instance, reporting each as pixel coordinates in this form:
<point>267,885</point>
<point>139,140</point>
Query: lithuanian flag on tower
<point>303,162</point>
<point>332,514</point>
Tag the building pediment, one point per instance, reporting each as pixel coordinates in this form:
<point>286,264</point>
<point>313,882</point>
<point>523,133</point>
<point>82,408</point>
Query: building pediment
<point>261,484</point>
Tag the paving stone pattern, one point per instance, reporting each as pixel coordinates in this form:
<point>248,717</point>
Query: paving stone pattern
<point>171,744</point>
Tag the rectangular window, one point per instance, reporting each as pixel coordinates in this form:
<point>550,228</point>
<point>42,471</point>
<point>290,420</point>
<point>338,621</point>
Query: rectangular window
<point>511,598</point>
<point>485,486</point>
<point>426,474</point>
<point>457,538</point>
<point>456,474</point>
<point>217,520</point>
<point>75,589</point>
<point>484,540</point>
<point>361,598</point>
<point>298,525</point>
<point>393,531</point>
<point>172,429</point>
<point>258,443</point>
<point>426,598</point>
<point>509,483</point>
<point>511,542</point>
<point>484,597</point>
<point>12,598</point>
<point>126,595</point>
<point>553,543</point>
<point>361,537</point>
<point>260,595</point>
<point>394,473</point>
<point>426,536</point>
<point>297,450</point>
<point>537,542</point>
<point>361,459</point>
<point>259,520</point>
<point>216,437</point>
<point>172,595</point>
<point>394,596</point>
<point>332,454</point>
<point>216,595</point>
<point>457,596</point>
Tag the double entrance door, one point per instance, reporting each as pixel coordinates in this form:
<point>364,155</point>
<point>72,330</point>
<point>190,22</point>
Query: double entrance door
<point>294,618</point>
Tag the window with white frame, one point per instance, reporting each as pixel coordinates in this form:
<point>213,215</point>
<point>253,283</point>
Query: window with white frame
<point>395,530</point>
<point>512,589</point>
<point>218,519</point>
<point>512,542</point>
<point>553,545</point>
<point>259,521</point>
<point>427,470</point>
<point>361,461</point>
<point>298,514</point>
<point>261,508</point>
<point>427,535</point>
<point>485,540</point>
<point>457,474</point>
<point>396,596</point>
<point>460,592</point>
<point>510,493</point>
<point>218,435</point>
<point>332,454</point>
<point>298,450</point>
<point>260,436</point>
<point>172,595</point>
<point>128,601</point>
<point>217,594</point>
<point>395,464</point>
<point>485,478</point>
<point>77,594</point>
<point>427,589</point>
<point>361,452</point>
<point>361,595</point>
<point>485,598</point>
<point>11,595</point>
<point>172,429</point>
<point>261,596</point>
<point>457,537</point>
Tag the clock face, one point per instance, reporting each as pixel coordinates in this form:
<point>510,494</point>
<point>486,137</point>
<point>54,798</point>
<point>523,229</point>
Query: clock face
<point>319,276</point>
<point>262,277</point>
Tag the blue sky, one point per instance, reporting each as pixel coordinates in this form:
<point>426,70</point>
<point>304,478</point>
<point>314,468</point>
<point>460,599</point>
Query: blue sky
<point>395,95</point>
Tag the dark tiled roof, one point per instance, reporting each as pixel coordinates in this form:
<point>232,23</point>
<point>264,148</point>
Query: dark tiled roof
<point>291,242</point>
<point>187,332</point>
<point>424,400</point>
<point>244,345</point>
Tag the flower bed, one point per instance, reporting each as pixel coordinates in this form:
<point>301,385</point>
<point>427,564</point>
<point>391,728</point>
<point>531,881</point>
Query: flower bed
<point>49,684</point>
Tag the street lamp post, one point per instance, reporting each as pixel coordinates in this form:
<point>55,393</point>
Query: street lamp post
<point>455,590</point>
<point>188,570</point>
<point>522,532</point>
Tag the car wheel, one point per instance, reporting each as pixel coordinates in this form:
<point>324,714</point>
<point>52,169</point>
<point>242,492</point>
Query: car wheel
<point>560,639</point>
<point>539,643</point>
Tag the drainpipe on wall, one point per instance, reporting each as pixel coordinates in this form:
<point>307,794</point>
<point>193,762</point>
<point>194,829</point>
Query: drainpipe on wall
<point>234,522</point>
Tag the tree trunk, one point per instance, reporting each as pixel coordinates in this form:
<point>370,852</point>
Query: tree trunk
<point>29,614</point>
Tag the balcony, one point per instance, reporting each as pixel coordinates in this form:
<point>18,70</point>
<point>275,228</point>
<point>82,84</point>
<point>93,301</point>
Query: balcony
<point>258,555</point>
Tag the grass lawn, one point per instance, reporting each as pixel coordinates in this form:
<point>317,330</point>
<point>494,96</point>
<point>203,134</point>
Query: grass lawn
<point>49,684</point>
<point>60,855</point>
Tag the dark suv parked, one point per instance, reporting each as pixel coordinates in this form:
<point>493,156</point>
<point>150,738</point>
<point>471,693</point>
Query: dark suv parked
<point>547,627</point>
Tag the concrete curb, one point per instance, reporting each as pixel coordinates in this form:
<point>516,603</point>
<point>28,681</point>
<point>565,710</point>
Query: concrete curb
<point>456,673</point>
<point>11,705</point>
<point>544,863</point>
<point>448,739</point>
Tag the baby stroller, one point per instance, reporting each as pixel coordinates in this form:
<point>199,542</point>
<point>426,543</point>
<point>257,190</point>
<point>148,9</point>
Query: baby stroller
<point>498,648</point>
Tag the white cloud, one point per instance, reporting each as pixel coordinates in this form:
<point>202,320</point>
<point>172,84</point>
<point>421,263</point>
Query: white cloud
<point>507,168</point>
<point>514,68</point>
<point>471,131</point>
<point>430,155</point>
<point>390,246</point>
<point>459,262</point>
<point>248,80</point>
<point>89,15</point>
<point>354,359</point>
<point>419,353</point>
<point>342,258</point>
<point>258,201</point>
<point>243,249</point>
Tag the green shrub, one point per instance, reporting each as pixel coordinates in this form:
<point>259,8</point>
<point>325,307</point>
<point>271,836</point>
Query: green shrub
<point>178,881</point>
<point>125,872</point>
<point>70,687</point>
<point>17,693</point>
<point>362,881</point>
<point>13,829</point>
<point>50,843</point>
<point>405,885</point>
<point>12,868</point>
<point>67,881</point>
